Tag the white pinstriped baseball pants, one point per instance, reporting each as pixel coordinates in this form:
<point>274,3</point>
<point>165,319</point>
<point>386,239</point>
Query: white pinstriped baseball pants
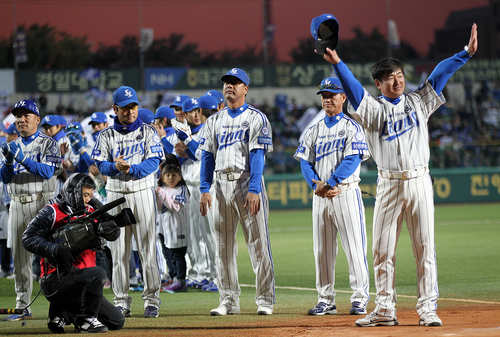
<point>412,200</point>
<point>343,215</point>
<point>143,205</point>
<point>229,199</point>
<point>20,215</point>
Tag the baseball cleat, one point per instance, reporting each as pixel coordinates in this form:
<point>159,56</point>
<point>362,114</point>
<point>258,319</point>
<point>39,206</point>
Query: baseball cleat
<point>430,319</point>
<point>323,309</point>
<point>222,310</point>
<point>19,317</point>
<point>357,309</point>
<point>124,311</point>
<point>151,312</point>
<point>210,287</point>
<point>262,310</point>
<point>373,319</point>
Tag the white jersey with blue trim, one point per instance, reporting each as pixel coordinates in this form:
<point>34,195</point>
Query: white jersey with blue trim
<point>42,149</point>
<point>191,168</point>
<point>326,147</point>
<point>231,139</point>
<point>136,147</point>
<point>397,134</point>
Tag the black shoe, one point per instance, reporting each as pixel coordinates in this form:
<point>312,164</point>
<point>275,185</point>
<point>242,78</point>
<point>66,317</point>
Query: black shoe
<point>91,325</point>
<point>56,324</point>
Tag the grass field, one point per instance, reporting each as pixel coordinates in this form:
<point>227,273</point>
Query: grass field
<point>467,247</point>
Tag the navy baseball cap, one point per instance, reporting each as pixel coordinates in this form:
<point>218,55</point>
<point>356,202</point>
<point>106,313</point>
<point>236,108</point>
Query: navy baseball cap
<point>51,120</point>
<point>325,31</point>
<point>124,95</point>
<point>207,102</point>
<point>146,115</point>
<point>190,104</point>
<point>98,117</point>
<point>165,112</point>
<point>239,74</point>
<point>217,94</point>
<point>12,129</point>
<point>330,84</point>
<point>73,127</point>
<point>26,104</point>
<point>179,100</point>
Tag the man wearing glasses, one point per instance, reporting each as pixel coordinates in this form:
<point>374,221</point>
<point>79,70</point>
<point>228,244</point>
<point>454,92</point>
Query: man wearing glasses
<point>330,156</point>
<point>129,153</point>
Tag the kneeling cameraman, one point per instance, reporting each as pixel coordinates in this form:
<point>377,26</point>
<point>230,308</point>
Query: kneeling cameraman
<point>70,280</point>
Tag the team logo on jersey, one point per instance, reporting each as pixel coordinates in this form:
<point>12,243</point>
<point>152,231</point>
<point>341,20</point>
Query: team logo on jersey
<point>139,137</point>
<point>226,138</point>
<point>128,93</point>
<point>245,124</point>
<point>264,131</point>
<point>394,129</point>
<point>156,139</point>
<point>359,136</point>
<point>52,149</point>
<point>341,133</point>
<point>300,149</point>
<point>324,149</point>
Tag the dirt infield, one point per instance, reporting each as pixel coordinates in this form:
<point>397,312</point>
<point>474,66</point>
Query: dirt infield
<point>466,321</point>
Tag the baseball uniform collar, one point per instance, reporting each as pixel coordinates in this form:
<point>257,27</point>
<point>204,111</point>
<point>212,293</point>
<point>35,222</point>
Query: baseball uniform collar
<point>331,121</point>
<point>59,135</point>
<point>195,129</point>
<point>124,129</point>
<point>236,112</point>
<point>392,100</point>
<point>27,140</point>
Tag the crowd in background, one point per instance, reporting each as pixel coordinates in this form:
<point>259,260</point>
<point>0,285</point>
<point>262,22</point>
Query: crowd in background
<point>461,135</point>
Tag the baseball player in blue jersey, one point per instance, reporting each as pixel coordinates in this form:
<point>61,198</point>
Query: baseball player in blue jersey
<point>129,153</point>
<point>163,125</point>
<point>397,136</point>
<point>330,157</point>
<point>233,144</point>
<point>30,168</point>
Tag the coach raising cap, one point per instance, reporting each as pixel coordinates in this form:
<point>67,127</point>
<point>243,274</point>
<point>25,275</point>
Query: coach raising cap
<point>330,84</point>
<point>237,73</point>
<point>325,30</point>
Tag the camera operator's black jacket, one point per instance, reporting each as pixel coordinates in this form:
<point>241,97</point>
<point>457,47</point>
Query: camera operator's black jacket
<point>36,236</point>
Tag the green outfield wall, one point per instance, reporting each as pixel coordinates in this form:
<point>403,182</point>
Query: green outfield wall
<point>289,191</point>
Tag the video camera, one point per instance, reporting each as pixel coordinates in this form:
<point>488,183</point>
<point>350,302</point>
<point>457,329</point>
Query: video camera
<point>89,230</point>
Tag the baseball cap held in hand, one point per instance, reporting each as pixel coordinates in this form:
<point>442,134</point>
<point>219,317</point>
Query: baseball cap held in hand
<point>124,95</point>
<point>325,30</point>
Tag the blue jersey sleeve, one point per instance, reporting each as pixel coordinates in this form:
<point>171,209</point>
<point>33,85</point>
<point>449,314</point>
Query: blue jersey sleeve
<point>86,158</point>
<point>40,169</point>
<point>6,173</point>
<point>145,168</point>
<point>169,148</point>
<point>445,69</point>
<point>353,89</point>
<point>107,168</point>
<point>309,173</point>
<point>206,171</point>
<point>346,168</point>
<point>191,150</point>
<point>256,170</point>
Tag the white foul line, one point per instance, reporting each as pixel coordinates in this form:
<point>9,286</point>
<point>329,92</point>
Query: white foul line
<point>405,296</point>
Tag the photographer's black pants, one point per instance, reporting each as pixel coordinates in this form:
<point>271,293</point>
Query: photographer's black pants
<point>78,294</point>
